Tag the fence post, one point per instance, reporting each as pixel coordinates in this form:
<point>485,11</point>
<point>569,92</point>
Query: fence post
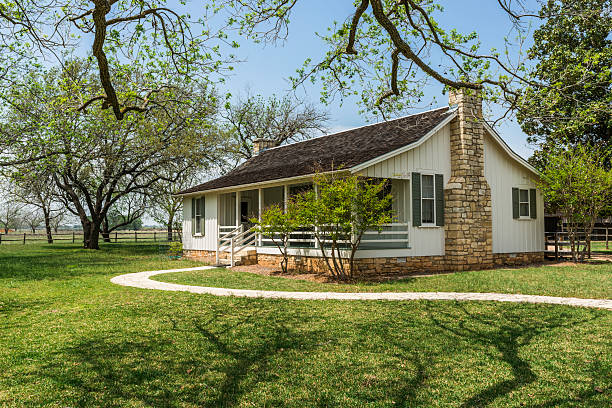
<point>135,236</point>
<point>154,236</point>
<point>607,229</point>
<point>24,238</point>
<point>0,238</point>
<point>556,246</point>
<point>73,237</point>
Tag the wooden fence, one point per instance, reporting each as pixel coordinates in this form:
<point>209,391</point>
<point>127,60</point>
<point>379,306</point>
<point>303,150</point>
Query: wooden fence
<point>77,237</point>
<point>557,244</point>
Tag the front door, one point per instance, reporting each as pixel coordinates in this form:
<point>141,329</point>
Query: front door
<point>244,212</point>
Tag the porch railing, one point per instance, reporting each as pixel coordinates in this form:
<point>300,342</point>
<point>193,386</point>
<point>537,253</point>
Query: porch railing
<point>395,235</point>
<point>234,240</point>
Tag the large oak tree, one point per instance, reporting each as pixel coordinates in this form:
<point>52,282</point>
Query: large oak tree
<point>96,160</point>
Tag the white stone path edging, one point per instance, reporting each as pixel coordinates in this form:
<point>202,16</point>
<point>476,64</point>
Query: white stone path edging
<point>141,280</point>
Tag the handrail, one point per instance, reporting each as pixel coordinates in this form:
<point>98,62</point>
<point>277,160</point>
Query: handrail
<point>238,239</point>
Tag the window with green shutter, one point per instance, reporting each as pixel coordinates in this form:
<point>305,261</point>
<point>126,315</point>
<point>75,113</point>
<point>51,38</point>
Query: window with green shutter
<point>427,199</point>
<point>524,203</point>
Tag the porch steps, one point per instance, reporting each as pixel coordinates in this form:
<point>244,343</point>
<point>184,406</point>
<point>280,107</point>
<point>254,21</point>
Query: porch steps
<point>242,258</point>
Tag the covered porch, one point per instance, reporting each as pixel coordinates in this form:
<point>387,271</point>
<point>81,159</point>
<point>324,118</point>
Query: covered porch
<point>237,209</point>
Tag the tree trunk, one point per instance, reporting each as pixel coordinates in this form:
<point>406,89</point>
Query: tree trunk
<point>170,223</point>
<point>91,235</point>
<point>48,227</point>
<point>105,231</point>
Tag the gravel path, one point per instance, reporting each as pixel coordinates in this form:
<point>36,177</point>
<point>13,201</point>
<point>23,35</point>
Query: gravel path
<point>141,280</point>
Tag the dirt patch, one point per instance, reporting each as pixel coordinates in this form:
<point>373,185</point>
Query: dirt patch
<point>323,278</point>
<point>268,271</point>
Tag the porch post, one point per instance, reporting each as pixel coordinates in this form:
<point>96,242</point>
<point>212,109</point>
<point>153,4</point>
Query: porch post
<point>260,210</point>
<point>316,190</point>
<point>238,220</point>
<point>286,195</point>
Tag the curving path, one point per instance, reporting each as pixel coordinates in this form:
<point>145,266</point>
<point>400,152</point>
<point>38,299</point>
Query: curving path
<point>141,280</point>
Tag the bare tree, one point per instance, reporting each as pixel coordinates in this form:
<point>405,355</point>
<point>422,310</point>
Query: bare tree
<point>59,217</point>
<point>37,189</point>
<point>165,208</point>
<point>10,215</point>
<point>278,120</point>
<point>125,211</point>
<point>33,218</point>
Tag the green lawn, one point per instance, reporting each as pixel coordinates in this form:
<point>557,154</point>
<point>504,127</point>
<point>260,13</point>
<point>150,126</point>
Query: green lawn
<point>601,247</point>
<point>593,281</point>
<point>68,337</point>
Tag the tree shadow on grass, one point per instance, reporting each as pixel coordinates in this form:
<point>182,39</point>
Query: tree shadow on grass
<point>196,361</point>
<point>55,262</point>
<point>506,333</point>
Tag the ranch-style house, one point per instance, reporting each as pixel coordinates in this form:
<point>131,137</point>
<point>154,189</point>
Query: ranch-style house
<point>461,197</point>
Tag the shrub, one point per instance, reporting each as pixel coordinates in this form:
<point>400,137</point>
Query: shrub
<point>175,250</point>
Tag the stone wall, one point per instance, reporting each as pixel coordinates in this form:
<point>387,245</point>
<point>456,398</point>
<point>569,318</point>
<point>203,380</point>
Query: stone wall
<point>244,258</point>
<point>518,259</point>
<point>371,267</point>
<point>467,211</point>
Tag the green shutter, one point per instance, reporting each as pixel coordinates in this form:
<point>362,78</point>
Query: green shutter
<point>416,199</point>
<point>202,202</point>
<point>439,186</point>
<point>193,212</point>
<point>515,203</point>
<point>533,208</point>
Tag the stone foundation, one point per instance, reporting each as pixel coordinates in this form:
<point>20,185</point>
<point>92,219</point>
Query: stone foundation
<point>518,259</point>
<point>371,267</point>
<point>199,255</point>
<point>248,258</point>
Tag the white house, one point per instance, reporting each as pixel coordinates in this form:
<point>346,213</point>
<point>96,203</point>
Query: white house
<point>462,198</point>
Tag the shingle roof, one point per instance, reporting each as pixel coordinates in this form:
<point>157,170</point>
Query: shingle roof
<point>339,150</point>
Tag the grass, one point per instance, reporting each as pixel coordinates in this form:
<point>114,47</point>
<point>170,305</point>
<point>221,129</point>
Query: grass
<point>601,247</point>
<point>68,337</point>
<point>592,281</point>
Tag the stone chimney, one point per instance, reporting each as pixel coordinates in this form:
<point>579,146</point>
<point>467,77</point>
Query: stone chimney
<point>260,144</point>
<point>467,215</point>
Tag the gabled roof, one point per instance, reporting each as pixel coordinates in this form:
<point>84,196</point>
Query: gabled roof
<point>325,153</point>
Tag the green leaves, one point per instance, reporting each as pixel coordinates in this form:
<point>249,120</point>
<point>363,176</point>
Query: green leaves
<point>572,53</point>
<point>576,183</point>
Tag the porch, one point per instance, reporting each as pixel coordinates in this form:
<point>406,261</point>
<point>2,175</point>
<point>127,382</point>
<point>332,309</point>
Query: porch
<point>236,235</point>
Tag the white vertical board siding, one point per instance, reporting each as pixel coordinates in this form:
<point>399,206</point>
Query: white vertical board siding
<point>503,173</point>
<point>433,156</point>
<point>208,241</point>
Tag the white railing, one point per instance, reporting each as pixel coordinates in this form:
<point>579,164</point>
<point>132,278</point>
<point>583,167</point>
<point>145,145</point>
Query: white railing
<point>234,241</point>
<point>396,234</point>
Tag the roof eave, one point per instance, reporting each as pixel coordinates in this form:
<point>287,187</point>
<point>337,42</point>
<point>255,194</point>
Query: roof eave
<point>260,183</point>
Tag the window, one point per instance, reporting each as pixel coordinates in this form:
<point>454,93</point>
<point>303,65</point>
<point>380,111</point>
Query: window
<point>524,203</point>
<point>197,217</point>
<point>427,199</point>
<point>427,195</point>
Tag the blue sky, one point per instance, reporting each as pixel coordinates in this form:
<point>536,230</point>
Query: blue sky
<point>266,68</point>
